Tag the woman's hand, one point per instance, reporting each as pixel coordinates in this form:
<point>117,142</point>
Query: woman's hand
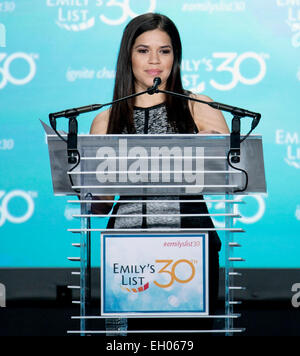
<point>102,208</point>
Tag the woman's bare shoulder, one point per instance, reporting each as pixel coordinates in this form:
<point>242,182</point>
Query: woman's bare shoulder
<point>100,123</point>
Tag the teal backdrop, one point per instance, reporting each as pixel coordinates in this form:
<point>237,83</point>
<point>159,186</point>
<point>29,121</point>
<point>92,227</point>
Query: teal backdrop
<point>57,54</point>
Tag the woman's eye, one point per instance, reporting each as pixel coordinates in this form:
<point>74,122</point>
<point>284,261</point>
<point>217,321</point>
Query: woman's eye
<point>166,51</point>
<point>142,50</point>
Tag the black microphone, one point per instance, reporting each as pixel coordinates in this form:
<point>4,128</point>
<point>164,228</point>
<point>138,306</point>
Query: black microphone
<point>75,111</point>
<point>238,113</point>
<point>156,82</point>
<point>69,113</point>
<point>233,110</point>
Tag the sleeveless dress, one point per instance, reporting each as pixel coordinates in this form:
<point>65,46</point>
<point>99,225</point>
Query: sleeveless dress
<point>154,120</point>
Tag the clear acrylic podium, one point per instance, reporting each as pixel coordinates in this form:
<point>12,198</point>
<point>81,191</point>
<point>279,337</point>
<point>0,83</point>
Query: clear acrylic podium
<point>164,165</point>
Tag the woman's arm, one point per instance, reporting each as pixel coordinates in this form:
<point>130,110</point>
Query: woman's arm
<point>99,127</point>
<point>207,119</point>
<point>100,123</point>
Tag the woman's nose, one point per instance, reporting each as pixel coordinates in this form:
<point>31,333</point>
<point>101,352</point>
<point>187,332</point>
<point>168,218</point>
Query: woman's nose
<point>154,57</point>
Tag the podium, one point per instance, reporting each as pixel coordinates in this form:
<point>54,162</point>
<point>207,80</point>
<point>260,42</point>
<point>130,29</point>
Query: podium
<point>150,166</point>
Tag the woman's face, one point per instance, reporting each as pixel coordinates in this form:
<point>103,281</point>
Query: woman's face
<point>152,56</point>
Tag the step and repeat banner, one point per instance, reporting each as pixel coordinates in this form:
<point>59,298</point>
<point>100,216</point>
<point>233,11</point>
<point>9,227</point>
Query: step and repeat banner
<point>59,54</point>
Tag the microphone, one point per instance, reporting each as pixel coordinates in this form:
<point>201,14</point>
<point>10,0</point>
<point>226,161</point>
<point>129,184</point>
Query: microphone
<point>71,115</point>
<point>233,110</point>
<point>156,82</point>
<point>238,113</point>
<point>75,111</point>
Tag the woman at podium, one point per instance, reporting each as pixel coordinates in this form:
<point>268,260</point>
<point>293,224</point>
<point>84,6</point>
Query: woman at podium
<point>151,48</point>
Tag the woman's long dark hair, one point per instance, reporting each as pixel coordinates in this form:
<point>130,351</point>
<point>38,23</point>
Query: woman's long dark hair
<point>121,114</point>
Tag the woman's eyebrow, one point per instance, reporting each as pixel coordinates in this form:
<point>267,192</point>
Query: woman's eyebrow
<point>147,46</point>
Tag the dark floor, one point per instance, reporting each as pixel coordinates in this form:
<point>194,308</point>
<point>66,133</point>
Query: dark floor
<point>54,319</point>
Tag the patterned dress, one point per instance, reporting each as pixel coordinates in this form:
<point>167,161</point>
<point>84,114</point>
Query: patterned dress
<point>154,120</point>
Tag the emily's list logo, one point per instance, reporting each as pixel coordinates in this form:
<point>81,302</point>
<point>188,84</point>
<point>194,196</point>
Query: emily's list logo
<point>82,15</point>
<point>291,141</point>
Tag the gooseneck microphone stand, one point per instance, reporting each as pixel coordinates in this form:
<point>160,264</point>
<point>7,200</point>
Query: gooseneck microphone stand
<point>233,155</point>
<point>235,135</point>
<point>238,113</point>
<point>72,114</point>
